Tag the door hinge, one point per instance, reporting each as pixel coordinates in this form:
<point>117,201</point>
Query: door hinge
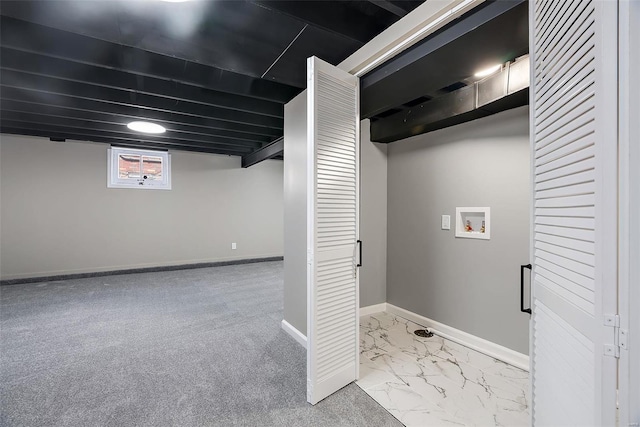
<point>619,336</point>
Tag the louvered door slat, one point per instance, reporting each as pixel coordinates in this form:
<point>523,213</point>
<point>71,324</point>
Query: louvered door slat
<point>572,134</point>
<point>585,211</point>
<point>579,245</point>
<point>552,16</point>
<point>575,108</point>
<point>571,201</point>
<point>581,291</point>
<point>580,24</point>
<point>578,174</point>
<point>336,151</point>
<point>567,75</point>
<point>332,340</point>
<point>573,233</point>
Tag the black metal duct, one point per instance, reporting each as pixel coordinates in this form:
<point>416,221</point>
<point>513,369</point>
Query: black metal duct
<point>502,91</point>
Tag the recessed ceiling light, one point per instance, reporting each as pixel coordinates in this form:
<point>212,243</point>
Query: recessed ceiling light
<point>174,1</point>
<point>146,127</point>
<point>488,71</point>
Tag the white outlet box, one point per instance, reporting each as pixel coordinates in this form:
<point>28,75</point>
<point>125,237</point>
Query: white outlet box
<point>446,222</point>
<point>473,223</point>
<point>234,246</point>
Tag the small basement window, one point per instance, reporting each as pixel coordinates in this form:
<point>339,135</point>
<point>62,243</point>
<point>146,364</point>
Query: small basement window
<point>133,168</point>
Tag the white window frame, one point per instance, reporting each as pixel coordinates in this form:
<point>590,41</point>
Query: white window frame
<point>113,181</point>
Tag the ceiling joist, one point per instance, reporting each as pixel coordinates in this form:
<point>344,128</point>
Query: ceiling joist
<point>46,66</point>
<point>90,134</point>
<point>331,17</point>
<point>390,7</point>
<point>113,129</point>
<point>73,106</point>
<point>53,86</point>
<point>98,118</point>
<point>30,37</point>
<point>19,129</point>
<point>275,149</point>
<point>216,75</point>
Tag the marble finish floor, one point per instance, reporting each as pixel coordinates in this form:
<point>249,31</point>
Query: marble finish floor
<point>437,382</point>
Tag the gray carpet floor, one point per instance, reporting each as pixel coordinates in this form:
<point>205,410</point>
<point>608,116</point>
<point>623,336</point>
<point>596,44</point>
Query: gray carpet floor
<point>198,347</point>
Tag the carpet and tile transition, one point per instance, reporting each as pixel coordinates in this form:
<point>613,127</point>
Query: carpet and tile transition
<point>197,347</point>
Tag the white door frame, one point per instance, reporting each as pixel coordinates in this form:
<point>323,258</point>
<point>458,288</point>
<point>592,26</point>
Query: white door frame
<point>629,210</point>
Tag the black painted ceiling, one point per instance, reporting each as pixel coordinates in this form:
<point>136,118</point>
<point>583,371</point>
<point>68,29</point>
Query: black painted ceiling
<point>215,73</point>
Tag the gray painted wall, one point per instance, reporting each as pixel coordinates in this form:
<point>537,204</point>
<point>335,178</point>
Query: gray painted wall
<point>295,212</point>
<point>469,284</point>
<point>373,219</point>
<point>59,217</point>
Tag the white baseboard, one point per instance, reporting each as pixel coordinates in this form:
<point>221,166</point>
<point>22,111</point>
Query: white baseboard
<point>489,348</point>
<point>302,339</point>
<point>296,334</point>
<point>373,309</point>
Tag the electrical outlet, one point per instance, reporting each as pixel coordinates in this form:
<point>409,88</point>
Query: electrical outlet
<point>234,246</point>
<point>446,222</point>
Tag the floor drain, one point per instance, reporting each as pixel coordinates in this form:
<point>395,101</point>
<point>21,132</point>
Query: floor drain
<point>423,333</point>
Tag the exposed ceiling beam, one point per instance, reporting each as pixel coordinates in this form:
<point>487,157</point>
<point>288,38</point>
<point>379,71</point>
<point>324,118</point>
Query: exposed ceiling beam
<point>390,7</point>
<point>74,71</point>
<point>125,142</point>
<point>37,100</point>
<point>49,85</point>
<point>90,134</point>
<point>231,35</point>
<point>331,17</point>
<point>30,37</point>
<point>422,21</point>
<point>10,106</point>
<point>120,128</point>
<point>276,148</point>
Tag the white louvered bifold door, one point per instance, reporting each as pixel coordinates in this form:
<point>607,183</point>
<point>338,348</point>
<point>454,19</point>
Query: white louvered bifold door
<point>574,147</point>
<point>333,143</point>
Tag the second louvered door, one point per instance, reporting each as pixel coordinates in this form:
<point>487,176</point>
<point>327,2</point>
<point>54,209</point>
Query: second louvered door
<point>333,153</point>
<point>574,152</point>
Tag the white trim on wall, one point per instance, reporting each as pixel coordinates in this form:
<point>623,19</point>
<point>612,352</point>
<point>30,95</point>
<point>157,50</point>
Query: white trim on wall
<point>295,334</point>
<point>373,309</point>
<point>489,348</point>
<point>415,26</point>
<point>302,339</point>
<point>473,342</point>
